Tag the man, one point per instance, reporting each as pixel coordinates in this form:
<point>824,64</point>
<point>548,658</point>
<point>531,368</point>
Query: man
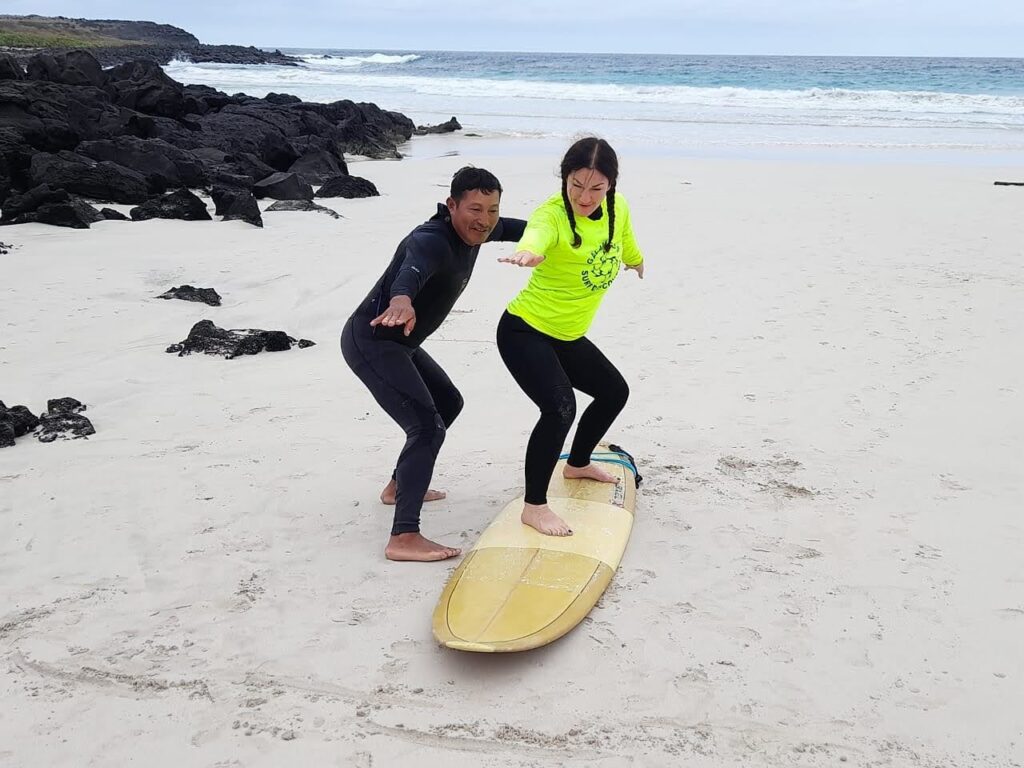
<point>381,343</point>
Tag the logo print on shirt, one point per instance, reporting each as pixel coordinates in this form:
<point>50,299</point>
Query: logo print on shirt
<point>602,268</point>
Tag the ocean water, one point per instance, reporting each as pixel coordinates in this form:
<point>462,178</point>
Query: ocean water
<point>690,103</point>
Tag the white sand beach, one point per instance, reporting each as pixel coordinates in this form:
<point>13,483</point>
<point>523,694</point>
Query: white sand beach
<point>827,381</point>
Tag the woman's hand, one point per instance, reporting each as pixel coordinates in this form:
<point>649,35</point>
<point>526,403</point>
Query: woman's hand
<point>523,259</point>
<point>399,312</point>
<point>639,269</point>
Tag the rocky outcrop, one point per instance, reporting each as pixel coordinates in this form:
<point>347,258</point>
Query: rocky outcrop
<point>283,186</point>
<point>10,68</point>
<point>236,203</point>
<point>446,127</point>
<point>62,419</point>
<point>347,186</point>
<point>43,205</point>
<point>301,205</point>
<point>15,421</point>
<point>191,293</point>
<point>207,338</point>
<point>318,165</point>
<point>130,133</point>
<point>105,181</point>
<point>181,204</point>
<point>134,40</point>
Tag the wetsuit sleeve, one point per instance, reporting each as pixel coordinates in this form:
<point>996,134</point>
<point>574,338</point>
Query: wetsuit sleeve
<point>541,232</point>
<point>507,230</point>
<point>630,250</point>
<point>424,255</point>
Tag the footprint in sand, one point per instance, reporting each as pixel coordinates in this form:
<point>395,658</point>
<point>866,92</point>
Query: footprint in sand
<point>249,591</point>
<point>949,483</point>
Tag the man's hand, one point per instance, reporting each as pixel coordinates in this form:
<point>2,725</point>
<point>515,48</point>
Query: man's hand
<point>523,259</point>
<point>639,269</point>
<point>399,312</point>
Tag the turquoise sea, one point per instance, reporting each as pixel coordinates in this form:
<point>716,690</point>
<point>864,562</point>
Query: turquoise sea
<point>696,103</point>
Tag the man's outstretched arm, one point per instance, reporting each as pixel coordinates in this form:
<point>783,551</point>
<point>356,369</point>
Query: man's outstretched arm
<point>508,230</point>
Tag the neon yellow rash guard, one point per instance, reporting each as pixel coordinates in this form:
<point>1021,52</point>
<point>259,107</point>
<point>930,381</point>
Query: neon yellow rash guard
<point>566,289</point>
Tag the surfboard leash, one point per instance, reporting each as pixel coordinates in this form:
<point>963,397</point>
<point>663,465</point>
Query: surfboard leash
<point>632,462</point>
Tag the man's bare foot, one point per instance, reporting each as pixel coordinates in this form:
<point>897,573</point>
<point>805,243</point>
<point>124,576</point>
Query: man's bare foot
<point>591,472</point>
<point>413,547</point>
<point>390,493</point>
<point>540,517</point>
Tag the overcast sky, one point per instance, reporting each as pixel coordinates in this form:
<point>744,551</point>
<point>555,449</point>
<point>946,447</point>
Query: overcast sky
<point>799,27</point>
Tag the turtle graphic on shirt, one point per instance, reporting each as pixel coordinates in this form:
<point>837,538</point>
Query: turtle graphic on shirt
<point>602,268</point>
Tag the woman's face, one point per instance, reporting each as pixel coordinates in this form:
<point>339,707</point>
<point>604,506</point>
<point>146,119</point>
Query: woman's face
<point>587,188</point>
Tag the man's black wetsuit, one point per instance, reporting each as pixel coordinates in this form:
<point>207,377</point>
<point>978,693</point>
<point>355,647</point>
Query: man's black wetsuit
<point>431,266</point>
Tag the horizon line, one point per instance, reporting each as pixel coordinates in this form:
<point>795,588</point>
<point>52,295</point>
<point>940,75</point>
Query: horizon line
<point>281,47</point>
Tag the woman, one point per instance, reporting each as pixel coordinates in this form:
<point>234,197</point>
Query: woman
<point>575,241</point>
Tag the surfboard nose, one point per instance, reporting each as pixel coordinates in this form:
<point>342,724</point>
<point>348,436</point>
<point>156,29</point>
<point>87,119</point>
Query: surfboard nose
<point>518,589</point>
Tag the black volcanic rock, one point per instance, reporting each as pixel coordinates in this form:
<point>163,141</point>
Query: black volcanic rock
<point>200,99</point>
<point>45,205</point>
<point>64,405</point>
<point>238,54</point>
<point>347,186</point>
<point>146,40</point>
<point>71,68</point>
<point>10,68</point>
<point>191,293</point>
<point>19,420</point>
<point>180,204</point>
<point>52,116</point>
<point>283,186</point>
<point>207,338</point>
<point>247,164</point>
<point>236,204</point>
<point>446,127</point>
<point>236,180</point>
<point>318,166</point>
<point>66,426</point>
<point>301,205</point>
<point>164,166</point>
<point>109,214</point>
<point>178,133</point>
<point>130,132</point>
<point>365,129</point>
<point>76,173</point>
<point>282,98</point>
<point>236,129</point>
<point>63,419</point>
<point>143,86</point>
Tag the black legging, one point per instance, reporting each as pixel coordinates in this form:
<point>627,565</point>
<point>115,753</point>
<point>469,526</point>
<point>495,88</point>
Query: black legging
<point>419,396</point>
<point>548,370</point>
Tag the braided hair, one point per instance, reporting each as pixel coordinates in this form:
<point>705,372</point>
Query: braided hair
<point>597,154</point>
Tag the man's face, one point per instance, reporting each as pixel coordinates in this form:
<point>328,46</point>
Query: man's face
<point>474,215</point>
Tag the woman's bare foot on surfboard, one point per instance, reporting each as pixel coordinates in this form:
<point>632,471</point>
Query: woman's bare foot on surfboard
<point>541,518</point>
<point>591,472</point>
<point>390,493</point>
<point>413,547</point>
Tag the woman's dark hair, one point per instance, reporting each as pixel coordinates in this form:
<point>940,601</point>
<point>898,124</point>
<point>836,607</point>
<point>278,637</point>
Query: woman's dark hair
<point>591,152</point>
<point>469,178</point>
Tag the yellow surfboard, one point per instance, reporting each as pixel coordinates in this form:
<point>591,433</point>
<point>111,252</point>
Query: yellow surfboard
<point>518,589</point>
